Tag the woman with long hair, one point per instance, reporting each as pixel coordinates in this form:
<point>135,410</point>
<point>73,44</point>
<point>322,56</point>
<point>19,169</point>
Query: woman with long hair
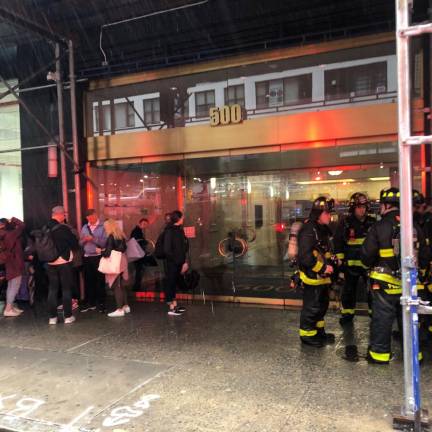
<point>116,241</point>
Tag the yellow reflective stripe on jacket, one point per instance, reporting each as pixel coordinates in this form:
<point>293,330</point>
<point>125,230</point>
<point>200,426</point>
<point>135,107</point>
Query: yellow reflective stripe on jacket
<point>307,333</point>
<point>320,324</point>
<point>310,281</point>
<point>382,357</point>
<point>347,311</point>
<point>386,253</point>
<point>327,255</point>
<point>385,278</point>
<point>355,263</point>
<point>340,255</point>
<point>355,241</point>
<point>429,287</point>
<point>318,266</point>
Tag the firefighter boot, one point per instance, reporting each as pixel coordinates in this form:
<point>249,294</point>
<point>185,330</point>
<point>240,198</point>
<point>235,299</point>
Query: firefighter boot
<point>314,341</point>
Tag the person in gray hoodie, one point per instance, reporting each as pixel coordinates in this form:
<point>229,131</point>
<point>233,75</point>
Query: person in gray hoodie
<point>92,239</point>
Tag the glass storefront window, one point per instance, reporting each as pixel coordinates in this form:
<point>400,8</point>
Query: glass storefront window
<point>254,197</point>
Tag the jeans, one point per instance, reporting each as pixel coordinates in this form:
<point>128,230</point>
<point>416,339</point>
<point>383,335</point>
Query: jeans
<point>60,277</point>
<point>12,289</point>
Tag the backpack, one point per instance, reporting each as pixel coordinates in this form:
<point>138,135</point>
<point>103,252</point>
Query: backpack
<point>4,255</point>
<point>159,251</point>
<point>45,247</point>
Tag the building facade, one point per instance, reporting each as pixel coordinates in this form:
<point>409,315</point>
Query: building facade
<point>243,145</point>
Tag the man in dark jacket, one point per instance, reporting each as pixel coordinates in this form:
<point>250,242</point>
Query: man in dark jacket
<point>315,265</point>
<point>349,237</point>
<point>60,271</point>
<point>176,247</point>
<point>138,233</point>
<point>11,233</point>
<point>381,252</point>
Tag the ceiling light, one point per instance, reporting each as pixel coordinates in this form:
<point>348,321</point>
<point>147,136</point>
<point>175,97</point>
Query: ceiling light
<point>335,172</point>
<point>379,178</point>
<point>312,182</point>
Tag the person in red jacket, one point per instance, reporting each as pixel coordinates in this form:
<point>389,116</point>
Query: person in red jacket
<point>11,238</point>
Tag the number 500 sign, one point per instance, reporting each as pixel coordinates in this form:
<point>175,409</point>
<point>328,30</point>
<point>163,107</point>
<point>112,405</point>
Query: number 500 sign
<point>228,114</point>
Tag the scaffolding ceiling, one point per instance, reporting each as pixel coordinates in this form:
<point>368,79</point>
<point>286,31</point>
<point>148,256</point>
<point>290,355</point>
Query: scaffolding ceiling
<point>211,29</point>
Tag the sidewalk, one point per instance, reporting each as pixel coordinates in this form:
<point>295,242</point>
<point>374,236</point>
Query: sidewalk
<point>237,369</point>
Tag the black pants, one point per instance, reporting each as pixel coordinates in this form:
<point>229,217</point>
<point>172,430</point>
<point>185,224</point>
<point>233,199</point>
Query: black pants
<point>385,309</point>
<point>173,279</point>
<point>94,281</point>
<point>139,267</point>
<point>61,277</point>
<point>349,292</point>
<point>120,293</point>
<point>315,305</point>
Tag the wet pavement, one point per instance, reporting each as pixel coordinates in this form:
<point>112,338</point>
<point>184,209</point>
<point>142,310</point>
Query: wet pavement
<point>226,368</point>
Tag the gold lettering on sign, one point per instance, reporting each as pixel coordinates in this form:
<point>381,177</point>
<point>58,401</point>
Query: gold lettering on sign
<point>228,114</point>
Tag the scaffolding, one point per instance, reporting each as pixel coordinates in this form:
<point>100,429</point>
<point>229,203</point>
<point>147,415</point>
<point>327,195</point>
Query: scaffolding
<point>411,416</point>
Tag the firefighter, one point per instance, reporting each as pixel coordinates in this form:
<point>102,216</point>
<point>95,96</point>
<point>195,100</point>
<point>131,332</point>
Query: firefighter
<point>423,229</point>
<point>349,237</point>
<point>381,252</point>
<point>315,268</point>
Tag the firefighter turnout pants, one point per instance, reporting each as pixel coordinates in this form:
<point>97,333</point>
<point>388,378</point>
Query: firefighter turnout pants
<point>349,292</point>
<point>315,305</point>
<point>385,309</point>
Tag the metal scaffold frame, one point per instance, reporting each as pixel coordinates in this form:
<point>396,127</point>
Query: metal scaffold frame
<point>411,416</point>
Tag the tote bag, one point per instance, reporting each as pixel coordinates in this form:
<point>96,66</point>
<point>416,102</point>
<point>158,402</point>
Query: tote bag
<point>111,264</point>
<point>134,251</point>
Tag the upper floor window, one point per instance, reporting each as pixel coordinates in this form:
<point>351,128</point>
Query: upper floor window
<point>124,115</point>
<point>102,122</point>
<point>152,111</point>
<point>235,95</point>
<point>355,81</point>
<point>288,91</point>
<point>203,102</point>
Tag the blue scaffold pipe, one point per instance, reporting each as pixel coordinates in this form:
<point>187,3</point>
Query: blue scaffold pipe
<point>415,340</point>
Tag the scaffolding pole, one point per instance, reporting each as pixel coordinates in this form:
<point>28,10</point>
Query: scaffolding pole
<point>411,414</point>
<point>59,85</point>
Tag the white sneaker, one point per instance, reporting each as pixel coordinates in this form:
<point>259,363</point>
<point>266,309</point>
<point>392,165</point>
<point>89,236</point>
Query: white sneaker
<point>126,309</point>
<point>11,313</point>
<point>117,313</point>
<point>52,321</point>
<point>69,320</point>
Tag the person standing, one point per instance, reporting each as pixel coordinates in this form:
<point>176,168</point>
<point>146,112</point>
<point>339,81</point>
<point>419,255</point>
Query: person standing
<point>381,252</point>
<point>60,271</point>
<point>349,237</point>
<point>116,241</point>
<point>315,265</point>
<point>93,238</point>
<point>138,233</point>
<point>176,247</point>
<point>11,233</point>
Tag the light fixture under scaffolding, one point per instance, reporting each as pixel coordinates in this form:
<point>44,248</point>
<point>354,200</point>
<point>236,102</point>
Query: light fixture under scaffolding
<point>312,182</point>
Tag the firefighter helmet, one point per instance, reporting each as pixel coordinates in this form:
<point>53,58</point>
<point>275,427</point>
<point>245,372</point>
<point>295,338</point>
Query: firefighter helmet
<point>358,199</point>
<point>390,196</point>
<point>324,204</point>
<point>418,198</point>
